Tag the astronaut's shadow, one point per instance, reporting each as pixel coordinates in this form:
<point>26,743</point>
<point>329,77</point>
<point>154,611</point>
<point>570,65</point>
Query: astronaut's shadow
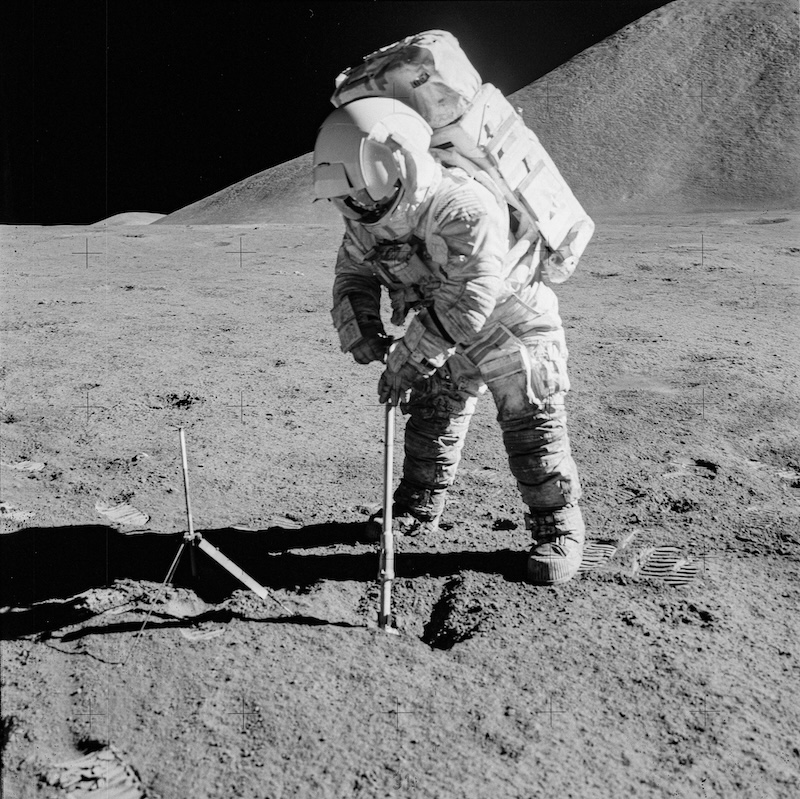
<point>42,566</point>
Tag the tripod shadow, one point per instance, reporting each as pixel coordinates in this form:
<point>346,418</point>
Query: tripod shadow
<point>41,567</point>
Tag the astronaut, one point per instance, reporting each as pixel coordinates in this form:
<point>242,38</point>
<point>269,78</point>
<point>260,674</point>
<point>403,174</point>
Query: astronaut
<point>439,241</point>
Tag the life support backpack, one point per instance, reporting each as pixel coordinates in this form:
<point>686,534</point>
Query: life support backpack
<point>477,129</point>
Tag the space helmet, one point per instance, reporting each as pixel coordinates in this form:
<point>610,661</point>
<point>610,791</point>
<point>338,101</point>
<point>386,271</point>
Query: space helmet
<point>367,155</point>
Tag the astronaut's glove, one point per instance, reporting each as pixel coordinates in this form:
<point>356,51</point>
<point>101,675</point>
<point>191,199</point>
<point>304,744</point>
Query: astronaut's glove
<point>403,371</point>
<point>358,321</point>
<point>372,347</point>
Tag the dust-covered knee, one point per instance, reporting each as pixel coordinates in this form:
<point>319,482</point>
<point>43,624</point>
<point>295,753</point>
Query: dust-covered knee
<point>531,380</point>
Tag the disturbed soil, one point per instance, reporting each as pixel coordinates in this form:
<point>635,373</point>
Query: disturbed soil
<point>684,421</point>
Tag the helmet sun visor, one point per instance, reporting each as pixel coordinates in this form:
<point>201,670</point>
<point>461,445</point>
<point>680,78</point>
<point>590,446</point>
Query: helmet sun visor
<point>359,205</point>
<point>378,169</point>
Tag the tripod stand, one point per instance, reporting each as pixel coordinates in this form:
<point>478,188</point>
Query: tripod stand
<point>194,540</point>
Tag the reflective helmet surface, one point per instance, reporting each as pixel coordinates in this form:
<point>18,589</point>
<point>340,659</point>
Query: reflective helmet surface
<point>355,156</point>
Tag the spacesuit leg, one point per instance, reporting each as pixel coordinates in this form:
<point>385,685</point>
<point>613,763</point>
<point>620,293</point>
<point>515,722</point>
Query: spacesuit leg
<point>439,411</point>
<point>529,390</point>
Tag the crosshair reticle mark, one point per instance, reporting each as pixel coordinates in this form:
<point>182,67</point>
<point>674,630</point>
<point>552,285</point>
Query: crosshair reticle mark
<point>702,402</point>
<point>240,252</point>
<point>701,249</point>
<point>243,713</point>
<point>550,711</point>
<point>702,96</point>
<point>705,711</point>
<point>547,95</point>
<point>395,711</point>
<point>241,405</point>
<point>87,406</point>
<point>705,555</point>
<point>90,715</point>
<point>85,252</point>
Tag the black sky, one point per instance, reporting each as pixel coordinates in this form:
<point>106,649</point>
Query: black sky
<point>148,105</point>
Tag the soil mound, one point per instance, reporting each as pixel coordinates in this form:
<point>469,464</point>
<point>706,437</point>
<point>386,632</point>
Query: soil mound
<point>130,218</point>
<point>282,194</point>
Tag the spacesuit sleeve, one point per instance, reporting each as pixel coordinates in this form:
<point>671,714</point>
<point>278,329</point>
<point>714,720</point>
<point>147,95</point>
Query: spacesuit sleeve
<point>476,234</point>
<point>355,285</point>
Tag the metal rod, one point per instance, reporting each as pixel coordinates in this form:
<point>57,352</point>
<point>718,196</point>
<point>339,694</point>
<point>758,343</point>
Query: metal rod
<point>190,535</point>
<point>167,579</point>
<point>237,572</point>
<point>196,540</point>
<point>386,572</point>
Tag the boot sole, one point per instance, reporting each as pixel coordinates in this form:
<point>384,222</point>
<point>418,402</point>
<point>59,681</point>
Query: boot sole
<point>551,572</point>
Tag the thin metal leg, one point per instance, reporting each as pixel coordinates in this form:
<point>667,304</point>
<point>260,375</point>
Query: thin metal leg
<point>386,573</point>
<point>190,535</point>
<point>170,574</point>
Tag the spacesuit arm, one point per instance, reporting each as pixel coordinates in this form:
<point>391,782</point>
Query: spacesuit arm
<point>356,291</point>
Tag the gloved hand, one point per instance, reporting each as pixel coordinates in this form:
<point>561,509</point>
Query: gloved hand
<point>401,374</point>
<point>371,348</point>
<point>394,386</point>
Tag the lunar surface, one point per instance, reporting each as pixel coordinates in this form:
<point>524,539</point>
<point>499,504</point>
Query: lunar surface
<point>668,668</point>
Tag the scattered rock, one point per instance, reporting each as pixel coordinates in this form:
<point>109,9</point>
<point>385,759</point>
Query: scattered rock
<point>685,612</point>
<point>123,514</point>
<point>504,524</point>
<point>11,517</point>
<point>26,466</point>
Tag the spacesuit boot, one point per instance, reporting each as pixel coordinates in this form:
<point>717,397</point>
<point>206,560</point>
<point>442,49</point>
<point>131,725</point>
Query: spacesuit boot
<point>557,550</point>
<point>415,512</point>
<point>418,510</point>
<point>403,523</point>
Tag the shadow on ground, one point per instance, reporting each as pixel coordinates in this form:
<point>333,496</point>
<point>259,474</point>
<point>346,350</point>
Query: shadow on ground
<point>42,567</point>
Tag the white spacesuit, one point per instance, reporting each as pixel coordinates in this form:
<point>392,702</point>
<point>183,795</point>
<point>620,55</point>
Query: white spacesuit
<point>439,242</point>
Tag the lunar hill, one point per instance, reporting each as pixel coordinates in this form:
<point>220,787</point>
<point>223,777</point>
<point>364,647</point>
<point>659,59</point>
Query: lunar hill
<point>694,105</point>
<point>130,218</point>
